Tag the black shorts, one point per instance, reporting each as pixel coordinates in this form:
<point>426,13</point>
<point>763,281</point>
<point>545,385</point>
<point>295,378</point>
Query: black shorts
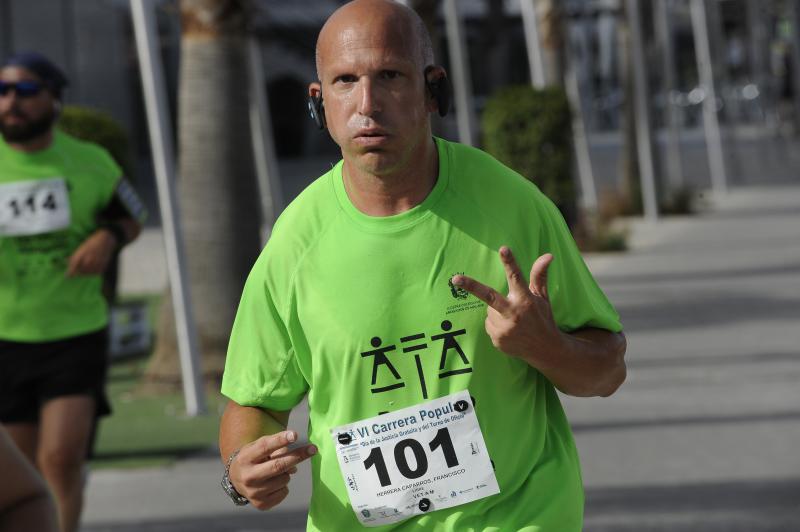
<point>33,373</point>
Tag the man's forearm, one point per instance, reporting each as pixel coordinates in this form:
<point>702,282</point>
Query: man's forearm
<point>587,363</point>
<point>241,425</point>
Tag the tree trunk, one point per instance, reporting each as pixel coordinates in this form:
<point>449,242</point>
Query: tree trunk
<point>549,13</point>
<point>217,187</point>
<point>631,181</point>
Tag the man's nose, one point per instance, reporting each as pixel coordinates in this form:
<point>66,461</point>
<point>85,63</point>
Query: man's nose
<point>368,103</point>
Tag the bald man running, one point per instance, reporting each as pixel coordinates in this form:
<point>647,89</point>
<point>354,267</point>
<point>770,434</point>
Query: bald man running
<point>391,295</point>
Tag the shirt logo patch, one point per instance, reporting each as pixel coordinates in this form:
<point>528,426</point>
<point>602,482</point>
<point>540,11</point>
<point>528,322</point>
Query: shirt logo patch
<point>456,291</point>
<point>463,300</point>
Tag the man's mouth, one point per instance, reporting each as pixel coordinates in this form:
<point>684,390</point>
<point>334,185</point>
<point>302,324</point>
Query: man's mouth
<point>371,132</point>
<point>371,138</point>
<point>13,117</point>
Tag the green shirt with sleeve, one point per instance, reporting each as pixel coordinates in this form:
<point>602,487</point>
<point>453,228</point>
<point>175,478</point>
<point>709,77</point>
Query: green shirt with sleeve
<point>38,302</point>
<point>335,287</point>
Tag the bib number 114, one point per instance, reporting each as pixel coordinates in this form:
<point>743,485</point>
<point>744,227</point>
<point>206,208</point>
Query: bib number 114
<point>441,441</point>
<point>19,206</point>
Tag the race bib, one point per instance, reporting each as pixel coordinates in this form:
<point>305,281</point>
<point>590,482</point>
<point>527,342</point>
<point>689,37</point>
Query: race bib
<point>416,460</point>
<point>34,207</point>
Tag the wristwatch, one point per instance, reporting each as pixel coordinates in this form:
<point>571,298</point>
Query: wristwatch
<point>237,498</point>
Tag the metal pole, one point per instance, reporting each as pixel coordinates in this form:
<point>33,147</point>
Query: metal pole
<point>664,31</point>
<point>267,173</point>
<point>163,159</point>
<point>532,43</point>
<point>758,54</point>
<point>579,137</point>
<point>644,147</point>
<point>713,135</point>
<point>462,85</point>
<point>794,18</point>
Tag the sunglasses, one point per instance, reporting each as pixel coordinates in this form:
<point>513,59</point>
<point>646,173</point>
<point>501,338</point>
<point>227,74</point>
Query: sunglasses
<point>23,89</point>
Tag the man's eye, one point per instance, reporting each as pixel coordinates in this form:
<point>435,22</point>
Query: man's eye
<point>390,74</point>
<point>347,78</point>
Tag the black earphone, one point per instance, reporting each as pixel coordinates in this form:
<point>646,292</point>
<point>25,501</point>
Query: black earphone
<point>439,89</point>
<point>316,108</point>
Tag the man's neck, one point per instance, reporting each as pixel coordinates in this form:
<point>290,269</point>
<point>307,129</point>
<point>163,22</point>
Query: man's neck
<point>404,189</point>
<point>36,144</point>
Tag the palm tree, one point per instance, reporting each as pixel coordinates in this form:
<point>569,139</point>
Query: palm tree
<point>217,186</point>
<point>551,26</point>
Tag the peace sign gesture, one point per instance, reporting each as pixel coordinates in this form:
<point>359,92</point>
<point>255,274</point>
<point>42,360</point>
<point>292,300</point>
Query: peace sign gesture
<point>521,323</point>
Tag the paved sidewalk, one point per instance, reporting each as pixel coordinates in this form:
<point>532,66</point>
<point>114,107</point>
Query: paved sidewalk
<point>702,437</point>
<point>704,434</point>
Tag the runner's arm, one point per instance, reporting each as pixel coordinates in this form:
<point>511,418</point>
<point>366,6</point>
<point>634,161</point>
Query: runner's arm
<point>118,224</point>
<point>241,425</point>
<point>590,363</point>
<point>94,254</point>
<point>586,362</point>
<point>263,465</point>
<point>124,215</point>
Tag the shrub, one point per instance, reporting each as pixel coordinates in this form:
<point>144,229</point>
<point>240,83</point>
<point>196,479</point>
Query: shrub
<point>99,127</point>
<point>530,131</point>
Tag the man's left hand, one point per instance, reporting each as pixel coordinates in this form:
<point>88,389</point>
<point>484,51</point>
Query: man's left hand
<point>93,255</point>
<point>521,323</point>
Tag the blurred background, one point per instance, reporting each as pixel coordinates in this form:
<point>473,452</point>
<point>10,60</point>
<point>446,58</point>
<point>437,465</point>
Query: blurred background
<point>667,132</point>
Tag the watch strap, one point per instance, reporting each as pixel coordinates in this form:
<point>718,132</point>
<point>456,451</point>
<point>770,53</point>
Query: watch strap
<point>237,498</point>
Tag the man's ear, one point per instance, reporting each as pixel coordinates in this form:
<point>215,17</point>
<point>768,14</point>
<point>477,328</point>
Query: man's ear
<point>439,88</point>
<point>314,89</point>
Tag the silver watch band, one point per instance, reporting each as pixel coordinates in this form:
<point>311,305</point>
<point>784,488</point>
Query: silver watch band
<point>237,498</point>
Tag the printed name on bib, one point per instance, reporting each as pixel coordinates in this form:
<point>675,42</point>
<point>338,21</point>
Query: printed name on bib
<point>416,460</point>
<point>34,207</point>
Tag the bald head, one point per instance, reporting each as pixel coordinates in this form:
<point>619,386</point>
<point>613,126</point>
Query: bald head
<point>391,20</point>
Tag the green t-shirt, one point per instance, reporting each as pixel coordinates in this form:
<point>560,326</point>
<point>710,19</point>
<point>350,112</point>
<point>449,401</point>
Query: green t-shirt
<point>37,301</point>
<point>333,285</point>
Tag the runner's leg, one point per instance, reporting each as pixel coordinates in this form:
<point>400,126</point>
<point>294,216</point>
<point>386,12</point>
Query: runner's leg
<point>65,429</point>
<point>24,436</point>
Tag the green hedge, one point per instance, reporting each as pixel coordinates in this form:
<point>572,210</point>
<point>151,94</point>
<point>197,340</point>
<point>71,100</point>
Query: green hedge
<point>530,131</point>
<point>98,127</point>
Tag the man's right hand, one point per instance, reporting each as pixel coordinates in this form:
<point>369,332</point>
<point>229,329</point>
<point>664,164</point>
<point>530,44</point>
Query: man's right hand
<point>262,469</point>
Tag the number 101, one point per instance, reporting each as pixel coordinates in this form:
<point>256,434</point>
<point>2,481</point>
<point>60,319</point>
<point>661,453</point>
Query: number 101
<point>442,440</point>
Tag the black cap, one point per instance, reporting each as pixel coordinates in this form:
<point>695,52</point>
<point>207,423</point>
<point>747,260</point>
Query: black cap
<point>50,74</point>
